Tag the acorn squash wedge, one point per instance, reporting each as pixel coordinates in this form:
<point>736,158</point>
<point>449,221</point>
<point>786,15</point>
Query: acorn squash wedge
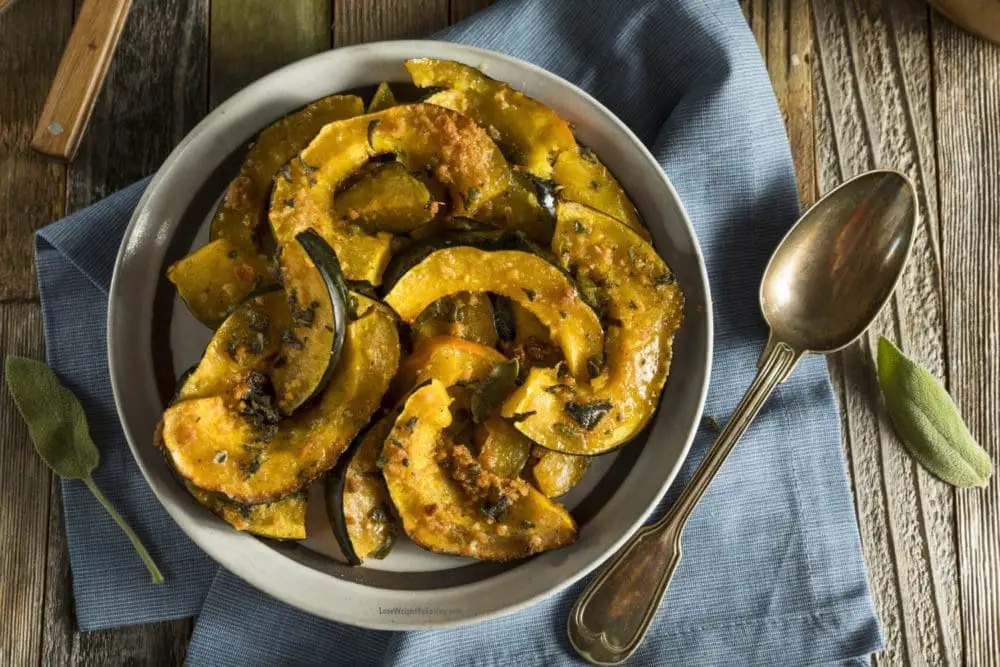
<point>387,199</point>
<point>463,315</point>
<point>239,216</point>
<point>532,282</point>
<point>530,133</point>
<point>449,504</point>
<point>421,136</point>
<point>448,359</point>
<point>582,178</point>
<point>554,473</point>
<point>382,99</point>
<point>245,342</point>
<point>357,501</point>
<point>527,205</point>
<point>453,147</point>
<point>317,303</point>
<point>645,308</point>
<point>494,239</point>
<point>502,449</point>
<point>283,519</point>
<point>216,277</point>
<point>238,445</point>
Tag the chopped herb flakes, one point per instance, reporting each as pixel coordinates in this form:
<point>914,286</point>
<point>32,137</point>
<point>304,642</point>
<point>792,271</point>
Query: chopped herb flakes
<point>498,510</point>
<point>588,415</point>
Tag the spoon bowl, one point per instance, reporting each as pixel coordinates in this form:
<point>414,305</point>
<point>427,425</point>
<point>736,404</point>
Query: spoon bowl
<point>837,266</point>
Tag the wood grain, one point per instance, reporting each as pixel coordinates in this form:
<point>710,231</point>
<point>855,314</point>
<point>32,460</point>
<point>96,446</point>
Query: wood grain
<point>31,187</point>
<point>861,84</point>
<point>250,39</point>
<point>357,21</point>
<point>82,69</point>
<point>156,90</point>
<point>461,9</point>
<point>784,33</point>
<point>24,491</point>
<point>875,108</point>
<point>967,97</point>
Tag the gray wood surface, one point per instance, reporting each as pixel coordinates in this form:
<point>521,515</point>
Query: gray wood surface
<point>967,108</point>
<point>861,84</point>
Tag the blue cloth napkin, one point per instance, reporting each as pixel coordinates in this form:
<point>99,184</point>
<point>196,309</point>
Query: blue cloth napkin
<point>772,570</point>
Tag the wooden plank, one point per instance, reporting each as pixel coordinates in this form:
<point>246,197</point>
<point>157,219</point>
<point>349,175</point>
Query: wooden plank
<point>875,108</point>
<point>251,38</point>
<point>460,9</point>
<point>31,37</point>
<point>357,21</point>
<point>967,74</point>
<point>783,31</point>
<point>32,191</point>
<point>24,491</point>
<point>156,90</point>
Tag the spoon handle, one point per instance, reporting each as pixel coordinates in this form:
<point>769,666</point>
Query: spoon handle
<point>610,619</point>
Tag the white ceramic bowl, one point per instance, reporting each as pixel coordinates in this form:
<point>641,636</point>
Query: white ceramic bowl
<point>151,338</point>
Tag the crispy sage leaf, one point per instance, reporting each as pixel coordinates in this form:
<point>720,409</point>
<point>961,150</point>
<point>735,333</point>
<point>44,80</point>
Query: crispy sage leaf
<point>58,427</point>
<point>928,422</point>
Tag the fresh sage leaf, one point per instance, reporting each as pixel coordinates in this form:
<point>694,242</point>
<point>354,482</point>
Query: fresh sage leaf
<point>58,428</point>
<point>492,391</point>
<point>928,422</point>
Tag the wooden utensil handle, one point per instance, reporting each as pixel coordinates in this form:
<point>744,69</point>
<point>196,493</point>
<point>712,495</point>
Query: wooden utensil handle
<point>79,78</point>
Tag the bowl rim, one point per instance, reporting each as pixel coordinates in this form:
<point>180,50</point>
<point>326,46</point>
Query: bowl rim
<point>247,569</point>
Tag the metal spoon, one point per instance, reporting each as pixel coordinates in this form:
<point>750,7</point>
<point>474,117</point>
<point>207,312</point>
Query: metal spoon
<point>825,283</point>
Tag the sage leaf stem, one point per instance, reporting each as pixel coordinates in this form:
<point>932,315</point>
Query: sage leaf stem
<point>129,533</point>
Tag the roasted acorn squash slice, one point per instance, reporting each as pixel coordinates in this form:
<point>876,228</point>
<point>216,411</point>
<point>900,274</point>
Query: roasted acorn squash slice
<point>213,279</point>
<point>503,449</point>
<point>357,501</point>
<point>447,359</point>
<point>422,136</point>
<point>530,133</point>
<point>239,215</point>
<point>464,315</point>
<point>283,519</point>
<point>644,305</point>
<point>532,282</point>
<point>526,205</point>
<point>317,302</point>
<point>456,150</point>
<point>245,342</point>
<point>237,445</point>
<point>382,99</point>
<point>449,504</point>
<point>492,240</point>
<point>387,199</point>
<point>582,178</point>
<point>554,473</point>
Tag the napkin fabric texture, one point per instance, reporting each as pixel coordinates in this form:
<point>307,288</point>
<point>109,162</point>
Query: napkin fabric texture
<point>772,569</point>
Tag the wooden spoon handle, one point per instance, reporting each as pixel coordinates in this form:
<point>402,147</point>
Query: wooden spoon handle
<point>79,78</point>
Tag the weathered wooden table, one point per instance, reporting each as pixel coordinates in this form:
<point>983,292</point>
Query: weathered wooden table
<point>863,83</point>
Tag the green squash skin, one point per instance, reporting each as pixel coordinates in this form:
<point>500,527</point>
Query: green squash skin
<point>325,259</point>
